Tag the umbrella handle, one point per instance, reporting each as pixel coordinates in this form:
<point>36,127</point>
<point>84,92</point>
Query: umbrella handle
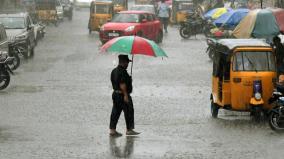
<point>132,64</point>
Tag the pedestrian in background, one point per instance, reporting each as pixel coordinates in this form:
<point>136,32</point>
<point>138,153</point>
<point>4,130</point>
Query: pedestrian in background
<point>164,14</point>
<point>122,101</point>
<point>279,51</point>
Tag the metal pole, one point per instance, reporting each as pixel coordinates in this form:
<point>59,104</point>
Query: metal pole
<point>261,5</point>
<point>132,64</point>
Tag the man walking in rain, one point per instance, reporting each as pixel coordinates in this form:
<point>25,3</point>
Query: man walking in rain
<point>122,101</point>
<point>164,14</point>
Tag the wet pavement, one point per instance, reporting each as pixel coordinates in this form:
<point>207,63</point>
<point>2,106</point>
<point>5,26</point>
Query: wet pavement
<point>58,104</point>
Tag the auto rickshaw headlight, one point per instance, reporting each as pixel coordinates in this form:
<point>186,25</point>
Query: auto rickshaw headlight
<point>257,96</point>
<point>131,28</point>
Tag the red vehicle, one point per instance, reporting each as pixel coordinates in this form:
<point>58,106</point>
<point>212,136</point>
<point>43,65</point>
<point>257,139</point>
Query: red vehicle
<point>140,23</point>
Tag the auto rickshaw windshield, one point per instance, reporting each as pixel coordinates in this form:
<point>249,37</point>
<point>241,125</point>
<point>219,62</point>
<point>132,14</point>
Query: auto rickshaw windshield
<point>102,9</point>
<point>254,61</point>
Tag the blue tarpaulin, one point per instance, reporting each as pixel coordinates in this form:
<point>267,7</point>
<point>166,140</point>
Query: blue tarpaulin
<point>231,19</point>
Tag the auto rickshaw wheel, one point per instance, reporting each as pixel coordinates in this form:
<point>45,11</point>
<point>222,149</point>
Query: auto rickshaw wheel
<point>258,114</point>
<point>214,109</point>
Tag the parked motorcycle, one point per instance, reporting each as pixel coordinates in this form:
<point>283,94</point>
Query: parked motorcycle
<point>5,70</point>
<point>276,115</point>
<point>194,25</point>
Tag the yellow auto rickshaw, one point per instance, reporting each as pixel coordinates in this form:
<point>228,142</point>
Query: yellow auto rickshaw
<point>180,10</point>
<point>120,5</point>
<point>100,13</point>
<point>46,11</point>
<point>244,75</point>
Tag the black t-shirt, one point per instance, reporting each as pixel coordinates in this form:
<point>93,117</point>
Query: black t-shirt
<point>279,50</point>
<point>119,75</point>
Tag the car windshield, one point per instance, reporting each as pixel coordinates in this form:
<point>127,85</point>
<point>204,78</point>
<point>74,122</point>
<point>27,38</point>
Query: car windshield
<point>143,8</point>
<point>126,18</point>
<point>254,61</point>
<point>13,22</point>
<point>102,9</point>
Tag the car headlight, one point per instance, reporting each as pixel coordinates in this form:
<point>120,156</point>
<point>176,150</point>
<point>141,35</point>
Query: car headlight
<point>21,37</point>
<point>131,28</point>
<point>257,96</point>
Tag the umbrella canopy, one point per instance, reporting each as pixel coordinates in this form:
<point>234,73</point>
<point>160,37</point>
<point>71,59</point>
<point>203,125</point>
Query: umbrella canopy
<point>133,45</point>
<point>232,18</point>
<point>261,23</point>
<point>216,13</point>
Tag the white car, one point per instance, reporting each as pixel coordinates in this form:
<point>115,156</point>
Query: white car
<point>82,3</point>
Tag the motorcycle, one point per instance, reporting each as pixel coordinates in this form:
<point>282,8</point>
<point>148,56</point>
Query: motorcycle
<point>194,25</point>
<point>5,70</point>
<point>276,114</point>
<point>16,52</point>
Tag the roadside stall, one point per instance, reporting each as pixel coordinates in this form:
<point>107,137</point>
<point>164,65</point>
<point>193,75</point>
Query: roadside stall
<point>46,11</point>
<point>261,23</point>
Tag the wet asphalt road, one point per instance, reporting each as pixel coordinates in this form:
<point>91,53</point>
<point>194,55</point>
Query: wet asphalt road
<point>58,105</point>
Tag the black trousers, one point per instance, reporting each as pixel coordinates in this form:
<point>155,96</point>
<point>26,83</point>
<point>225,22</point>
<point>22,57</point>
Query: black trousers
<point>118,106</point>
<point>165,22</point>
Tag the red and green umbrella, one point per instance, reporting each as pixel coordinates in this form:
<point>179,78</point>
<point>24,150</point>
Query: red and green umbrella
<point>133,45</point>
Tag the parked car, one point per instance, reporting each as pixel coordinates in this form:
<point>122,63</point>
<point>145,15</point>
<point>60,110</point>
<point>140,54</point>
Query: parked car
<point>125,23</point>
<point>19,29</point>
<point>148,8</point>
<point>67,8</point>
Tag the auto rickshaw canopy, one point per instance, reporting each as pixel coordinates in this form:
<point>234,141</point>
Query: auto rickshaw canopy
<point>226,46</point>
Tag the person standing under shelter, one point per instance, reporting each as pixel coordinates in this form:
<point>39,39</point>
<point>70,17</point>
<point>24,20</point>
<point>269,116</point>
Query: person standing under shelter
<point>164,14</point>
<point>279,51</point>
<point>122,101</point>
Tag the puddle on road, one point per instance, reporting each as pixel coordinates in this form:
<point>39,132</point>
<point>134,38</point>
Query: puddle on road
<point>25,89</point>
